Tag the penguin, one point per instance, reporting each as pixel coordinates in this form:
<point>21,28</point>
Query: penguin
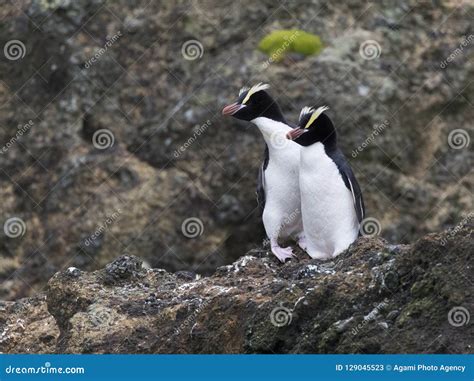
<point>278,188</point>
<point>331,200</point>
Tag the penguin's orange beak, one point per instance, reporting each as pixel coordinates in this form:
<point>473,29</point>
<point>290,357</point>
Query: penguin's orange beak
<point>295,133</point>
<point>231,109</point>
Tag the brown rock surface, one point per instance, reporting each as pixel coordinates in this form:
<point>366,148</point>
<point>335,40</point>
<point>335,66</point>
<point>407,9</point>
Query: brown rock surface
<point>154,101</point>
<point>374,298</point>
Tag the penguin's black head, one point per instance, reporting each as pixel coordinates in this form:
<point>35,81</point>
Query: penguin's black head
<point>314,126</point>
<point>253,103</point>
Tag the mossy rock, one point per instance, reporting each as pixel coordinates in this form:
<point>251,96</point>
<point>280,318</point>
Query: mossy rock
<point>281,42</point>
<point>414,310</point>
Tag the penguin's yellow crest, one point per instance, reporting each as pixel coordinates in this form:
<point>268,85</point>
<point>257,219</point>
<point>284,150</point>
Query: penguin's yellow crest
<point>314,114</point>
<point>258,87</point>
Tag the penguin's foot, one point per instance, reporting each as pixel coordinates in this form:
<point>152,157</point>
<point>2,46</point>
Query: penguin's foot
<point>283,253</point>
<point>303,243</point>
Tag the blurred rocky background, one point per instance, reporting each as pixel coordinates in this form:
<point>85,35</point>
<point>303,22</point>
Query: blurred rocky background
<point>150,79</point>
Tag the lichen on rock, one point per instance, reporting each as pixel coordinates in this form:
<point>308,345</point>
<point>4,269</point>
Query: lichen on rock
<point>281,42</point>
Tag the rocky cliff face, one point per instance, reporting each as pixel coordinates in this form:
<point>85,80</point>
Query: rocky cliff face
<point>374,298</point>
<point>90,65</point>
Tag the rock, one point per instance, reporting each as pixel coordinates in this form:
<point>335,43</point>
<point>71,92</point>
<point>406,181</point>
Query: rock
<point>124,267</point>
<point>383,324</point>
<point>257,305</point>
<point>342,325</point>
<point>230,210</point>
<point>392,315</point>
<point>16,319</point>
<point>175,157</point>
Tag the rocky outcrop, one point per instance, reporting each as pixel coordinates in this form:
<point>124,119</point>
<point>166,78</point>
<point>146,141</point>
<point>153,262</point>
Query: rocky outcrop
<point>374,298</point>
<point>174,157</point>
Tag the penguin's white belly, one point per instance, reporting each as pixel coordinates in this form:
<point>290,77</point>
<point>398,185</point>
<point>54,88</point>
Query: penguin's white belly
<point>282,212</point>
<point>282,215</point>
<point>329,217</point>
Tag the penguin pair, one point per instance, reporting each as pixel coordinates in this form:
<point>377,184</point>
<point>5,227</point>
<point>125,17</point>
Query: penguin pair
<point>307,188</point>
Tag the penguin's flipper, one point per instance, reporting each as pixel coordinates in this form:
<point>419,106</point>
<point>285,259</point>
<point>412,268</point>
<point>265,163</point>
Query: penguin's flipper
<point>261,180</point>
<point>261,189</point>
<point>353,186</point>
<point>350,181</point>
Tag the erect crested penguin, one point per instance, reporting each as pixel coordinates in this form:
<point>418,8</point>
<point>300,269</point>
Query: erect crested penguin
<point>277,190</point>
<point>331,199</point>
